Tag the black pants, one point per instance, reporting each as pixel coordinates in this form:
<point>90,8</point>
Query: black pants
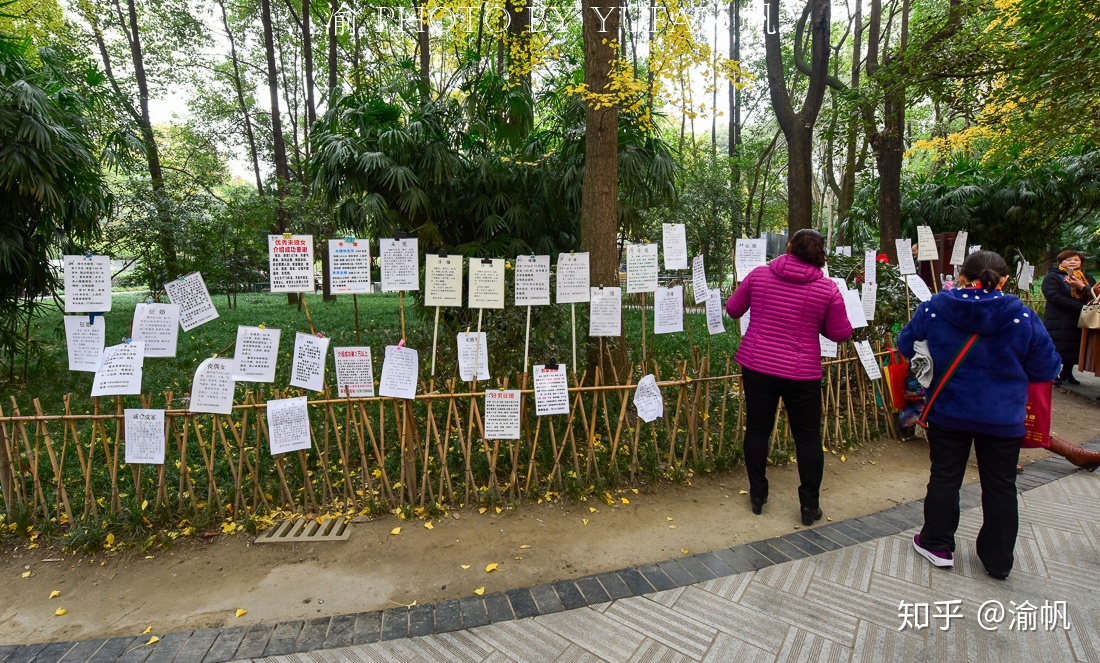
<point>949,450</point>
<point>802,399</point>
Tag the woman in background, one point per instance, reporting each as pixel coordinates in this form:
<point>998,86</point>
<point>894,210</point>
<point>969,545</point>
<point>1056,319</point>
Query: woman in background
<point>792,303</point>
<point>1067,288</point>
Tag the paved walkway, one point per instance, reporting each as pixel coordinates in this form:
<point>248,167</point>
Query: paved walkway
<point>1089,387</point>
<point>852,590</point>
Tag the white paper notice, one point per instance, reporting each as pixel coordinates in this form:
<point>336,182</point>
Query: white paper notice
<point>349,266</point>
<point>748,255</point>
<point>919,287</point>
<point>744,323</point>
<point>119,371</point>
<point>606,312</point>
<point>854,307</point>
<point>288,425</point>
<point>502,414</point>
<point>905,256</point>
<point>845,251</point>
<point>442,280</point>
<point>190,293</point>
<point>869,297</point>
<point>87,284</point>
<point>1025,273</point>
<point>468,346</point>
<point>958,252</point>
<point>158,327</point>
<point>398,261</point>
<point>354,372</point>
<point>310,355</point>
<point>144,430</point>
<point>212,389</point>
<point>674,237</point>
<point>870,267</point>
<point>85,341</point>
<point>668,310</point>
<point>641,268</point>
<point>648,399</point>
<point>290,263</point>
<point>974,248</point>
<point>699,279</point>
<point>926,244</point>
<point>532,280</point>
<point>551,390</point>
<point>399,372</point>
<point>716,323</point>
<point>828,348</point>
<point>257,352</point>
<point>867,358</point>
<point>841,284</point>
<point>486,283</point>
<point>573,278</point>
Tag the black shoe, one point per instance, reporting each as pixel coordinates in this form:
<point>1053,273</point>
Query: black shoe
<point>998,576</point>
<point>810,515</point>
<point>1069,379</point>
<point>758,505</point>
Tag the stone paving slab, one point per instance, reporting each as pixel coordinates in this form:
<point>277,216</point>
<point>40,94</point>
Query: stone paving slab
<point>830,592</point>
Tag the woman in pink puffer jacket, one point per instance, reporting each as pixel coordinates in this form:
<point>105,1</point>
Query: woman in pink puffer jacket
<point>791,303</point>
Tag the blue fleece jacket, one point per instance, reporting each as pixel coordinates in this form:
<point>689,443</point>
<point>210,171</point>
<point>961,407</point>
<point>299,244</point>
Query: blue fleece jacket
<point>988,392</point>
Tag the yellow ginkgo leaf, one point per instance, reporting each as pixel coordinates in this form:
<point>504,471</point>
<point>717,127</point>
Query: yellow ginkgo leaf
<point>241,612</point>
<point>26,574</point>
<point>153,640</point>
<point>491,567</point>
<point>524,547</point>
<point>110,539</point>
<point>499,509</point>
<point>584,520</point>
<point>482,510</point>
<point>634,490</point>
<point>592,509</point>
<point>144,505</point>
<point>479,591</point>
<point>429,525</point>
<point>668,518</point>
<point>519,557</point>
<point>742,492</point>
<point>842,458</point>
<point>60,612</point>
<point>395,530</point>
<point>54,594</point>
<point>624,500</point>
<point>464,566</point>
<point>684,550</point>
<point>147,630</point>
<point>672,527</point>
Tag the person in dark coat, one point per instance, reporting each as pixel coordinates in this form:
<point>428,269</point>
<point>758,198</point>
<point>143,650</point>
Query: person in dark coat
<point>1067,289</point>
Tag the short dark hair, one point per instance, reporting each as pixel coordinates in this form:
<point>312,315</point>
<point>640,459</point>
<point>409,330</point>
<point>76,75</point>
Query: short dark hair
<point>808,245</point>
<point>1069,253</point>
<point>984,267</point>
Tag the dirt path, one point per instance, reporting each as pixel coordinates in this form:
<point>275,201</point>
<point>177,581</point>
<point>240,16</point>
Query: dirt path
<point>198,585</point>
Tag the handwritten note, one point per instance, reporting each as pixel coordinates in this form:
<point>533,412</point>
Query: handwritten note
<point>748,255</point>
<point>308,369</point>
<point>398,261</point>
<point>854,308</point>
<point>190,293</point>
<point>869,297</point>
<point>551,390</point>
<point>641,268</point>
<point>468,346</point>
<point>442,280</point>
<point>212,389</point>
<point>158,327</point>
<point>349,266</point>
<point>290,263</point>
<point>119,371</point>
<point>648,399</point>
<point>870,267</point>
<point>1025,273</point>
<point>744,323</point>
<point>145,435</point>
<point>958,251</point>
<point>288,425</point>
<point>974,248</point>
<point>867,358</point>
<point>716,323</point>
<point>532,281</point>
<point>257,352</point>
<point>919,287</point>
<point>699,279</point>
<point>926,244</point>
<point>85,341</point>
<point>674,238</point>
<point>573,278</point>
<point>828,348</point>
<point>399,371</point>
<point>354,372</point>
<point>502,420</point>
<point>904,248</point>
<point>668,310</point>
<point>87,284</point>
<point>486,283</point>
<point>605,315</point>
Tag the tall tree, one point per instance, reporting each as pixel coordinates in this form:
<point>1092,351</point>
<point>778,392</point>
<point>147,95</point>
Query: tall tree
<point>238,87</point>
<point>282,170</point>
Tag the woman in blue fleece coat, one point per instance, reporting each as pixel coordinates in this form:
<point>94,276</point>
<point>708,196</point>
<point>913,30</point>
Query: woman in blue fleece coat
<point>982,404</point>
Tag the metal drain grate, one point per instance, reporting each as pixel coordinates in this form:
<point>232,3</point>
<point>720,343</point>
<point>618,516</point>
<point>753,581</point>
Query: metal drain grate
<point>301,530</point>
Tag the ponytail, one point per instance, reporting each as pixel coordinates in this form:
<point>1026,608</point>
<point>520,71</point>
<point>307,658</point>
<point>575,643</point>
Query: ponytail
<point>986,268</point>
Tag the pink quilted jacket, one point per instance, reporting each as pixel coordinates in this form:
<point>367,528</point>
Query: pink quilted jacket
<point>791,303</point>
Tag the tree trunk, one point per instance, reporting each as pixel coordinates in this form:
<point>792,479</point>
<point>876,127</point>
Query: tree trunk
<point>307,55</point>
<point>889,154</point>
<point>334,8</point>
<point>734,145</point>
<point>239,88</point>
<point>282,172</point>
<point>423,48</point>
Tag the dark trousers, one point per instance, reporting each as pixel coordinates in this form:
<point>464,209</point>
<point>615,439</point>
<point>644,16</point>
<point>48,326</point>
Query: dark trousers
<point>802,399</point>
<point>949,450</point>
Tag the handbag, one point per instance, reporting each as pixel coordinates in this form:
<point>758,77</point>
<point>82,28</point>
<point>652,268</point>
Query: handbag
<point>963,351</point>
<point>1090,315</point>
<point>1037,420</point>
<point>896,371</point>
